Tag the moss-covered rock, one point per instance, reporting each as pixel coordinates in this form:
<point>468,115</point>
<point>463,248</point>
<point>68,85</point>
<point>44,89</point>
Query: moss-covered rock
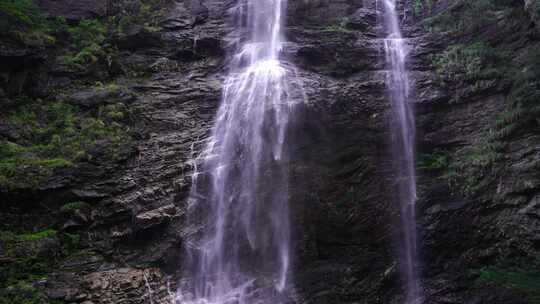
<point>55,135</point>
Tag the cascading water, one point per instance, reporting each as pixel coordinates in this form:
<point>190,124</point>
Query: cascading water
<point>403,148</point>
<point>239,194</point>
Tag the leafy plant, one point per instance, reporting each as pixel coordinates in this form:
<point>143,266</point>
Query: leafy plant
<point>472,168</point>
<point>434,161</point>
<point>74,206</point>
<point>523,281</point>
<point>22,21</point>
<point>146,14</point>
<point>21,12</point>
<point>466,63</point>
<point>422,6</point>
<point>26,263</point>
<point>56,135</point>
<point>464,16</point>
<point>87,40</point>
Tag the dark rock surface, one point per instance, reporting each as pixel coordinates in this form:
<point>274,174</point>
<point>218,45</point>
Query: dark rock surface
<point>343,220</point>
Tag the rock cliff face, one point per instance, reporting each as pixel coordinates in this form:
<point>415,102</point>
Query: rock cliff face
<point>107,226</point>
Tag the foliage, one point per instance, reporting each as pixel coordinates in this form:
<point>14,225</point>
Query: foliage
<point>22,20</point>
<point>472,168</point>
<point>342,27</point>
<point>524,98</point>
<point>47,233</point>
<point>87,43</point>
<point>23,249</point>
<point>434,161</point>
<point>25,23</point>
<point>465,16</point>
<point>471,62</point>
<point>73,206</point>
<point>147,13</point>
<point>524,281</point>
<point>56,135</point>
<point>523,106</point>
<point>87,32</point>
<point>71,242</point>
<point>21,12</point>
<point>420,7</point>
<point>26,263</point>
<point>8,236</point>
<point>22,292</point>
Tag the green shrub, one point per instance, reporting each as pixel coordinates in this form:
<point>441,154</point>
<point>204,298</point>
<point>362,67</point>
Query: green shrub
<point>21,12</point>
<point>47,233</point>
<point>74,206</point>
<point>464,16</point>
<point>420,7</point>
<point>526,282</point>
<point>147,14</point>
<point>56,135</point>
<point>23,21</point>
<point>468,63</point>
<point>23,292</point>
<point>473,168</point>
<point>434,161</point>
<point>88,32</point>
<point>26,265</point>
<point>523,107</point>
<point>87,43</point>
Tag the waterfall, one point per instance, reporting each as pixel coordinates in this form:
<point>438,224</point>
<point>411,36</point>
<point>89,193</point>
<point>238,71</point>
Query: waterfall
<point>402,148</point>
<point>238,200</point>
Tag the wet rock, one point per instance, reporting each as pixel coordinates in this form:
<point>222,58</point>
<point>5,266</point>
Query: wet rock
<point>137,37</point>
<point>125,284</point>
<point>178,18</point>
<point>199,12</point>
<point>363,19</point>
<point>155,217</point>
<point>340,194</point>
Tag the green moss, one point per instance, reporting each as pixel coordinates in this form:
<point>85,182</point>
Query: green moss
<point>22,21</point>
<point>21,12</point>
<point>147,14</point>
<point>74,206</point>
<point>11,237</point>
<point>336,28</point>
<point>420,7</point>
<point>88,31</point>
<point>435,161</point>
<point>526,282</point>
<point>56,135</point>
<point>468,63</point>
<point>22,292</point>
<point>88,54</point>
<point>22,249</point>
<point>87,39</point>
<point>25,261</point>
<point>71,242</point>
<point>473,168</point>
<point>48,233</point>
<point>464,16</point>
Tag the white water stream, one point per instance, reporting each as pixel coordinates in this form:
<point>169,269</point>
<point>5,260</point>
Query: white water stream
<point>239,196</point>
